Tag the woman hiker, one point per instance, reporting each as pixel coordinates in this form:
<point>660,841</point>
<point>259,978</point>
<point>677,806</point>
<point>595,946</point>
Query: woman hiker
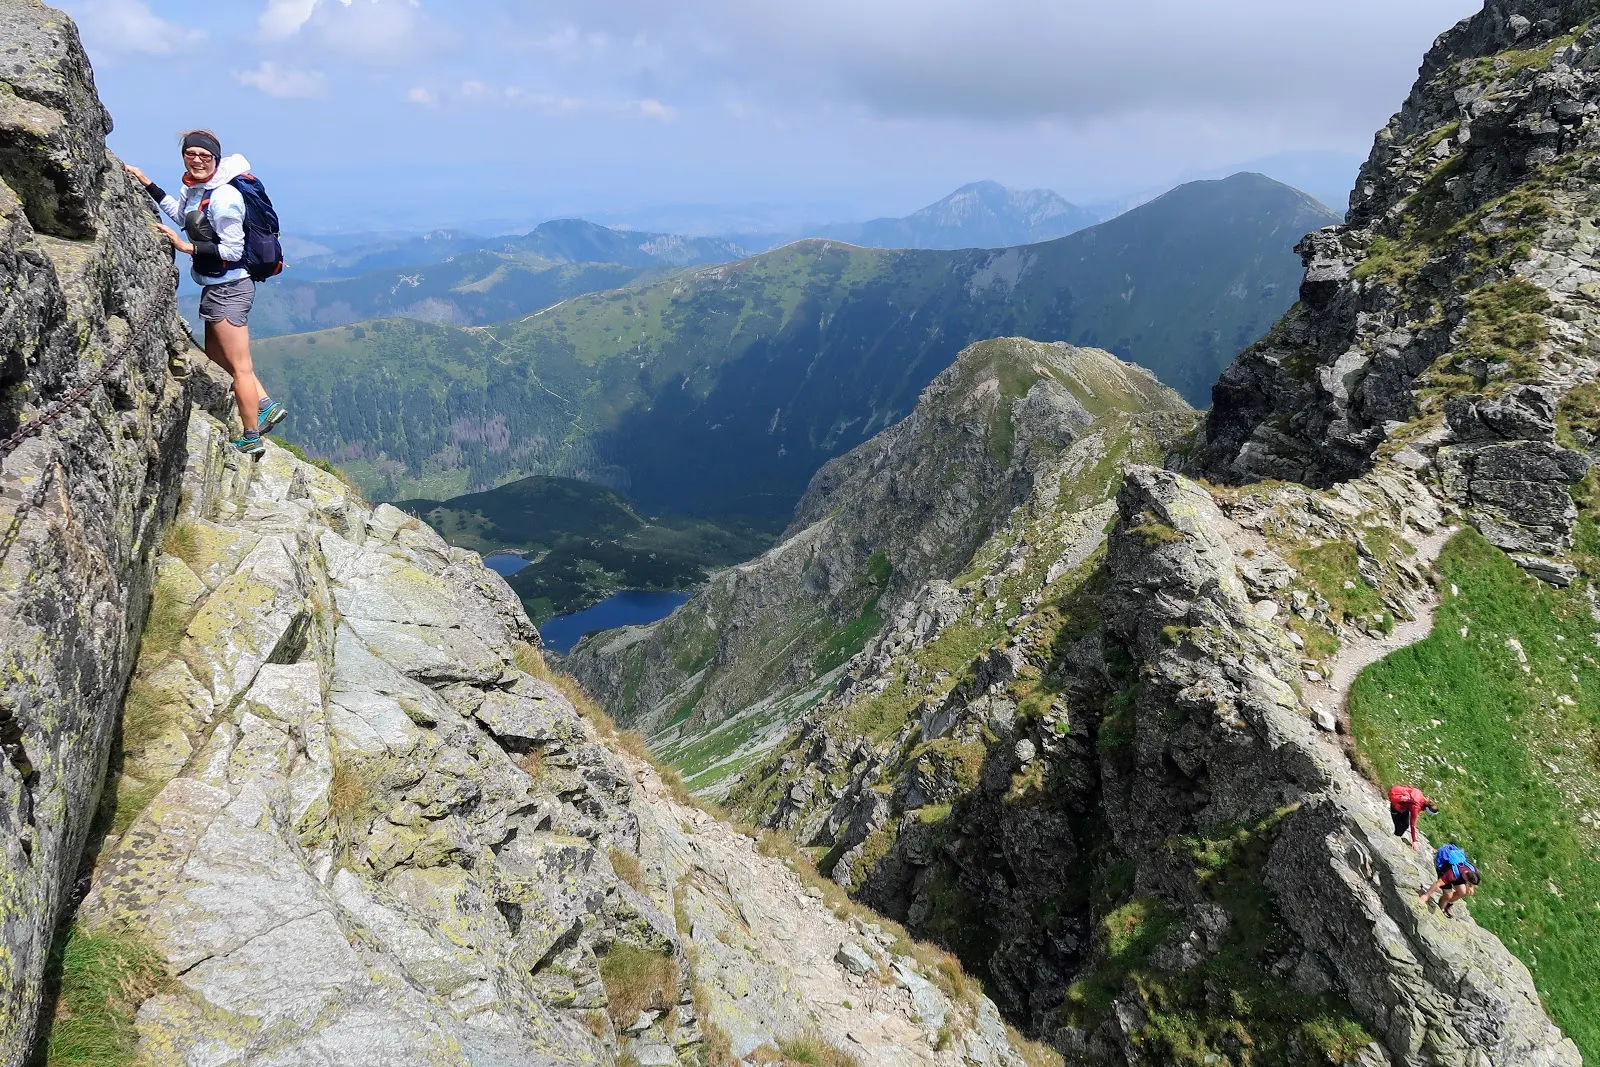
<point>1406,802</point>
<point>1458,877</point>
<point>211,213</point>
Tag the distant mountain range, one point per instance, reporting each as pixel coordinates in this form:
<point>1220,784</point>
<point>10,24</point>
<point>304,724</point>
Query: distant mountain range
<point>558,241</point>
<point>721,390</point>
<point>467,280</point>
<point>979,215</point>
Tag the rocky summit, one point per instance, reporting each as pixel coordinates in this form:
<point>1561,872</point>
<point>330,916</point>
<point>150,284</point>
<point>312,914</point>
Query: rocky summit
<point>1449,324</point>
<point>1010,420</point>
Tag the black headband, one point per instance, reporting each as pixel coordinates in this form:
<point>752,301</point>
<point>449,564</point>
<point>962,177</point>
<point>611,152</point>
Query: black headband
<point>201,139</point>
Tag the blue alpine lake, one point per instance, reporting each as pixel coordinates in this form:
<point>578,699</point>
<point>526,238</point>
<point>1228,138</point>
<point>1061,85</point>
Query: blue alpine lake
<point>627,608</point>
<point>505,564</point>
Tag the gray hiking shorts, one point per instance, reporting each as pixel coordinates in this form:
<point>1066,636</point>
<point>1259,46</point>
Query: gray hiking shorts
<point>228,300</point>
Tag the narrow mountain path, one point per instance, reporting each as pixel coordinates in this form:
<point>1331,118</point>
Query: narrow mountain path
<point>1359,651</point>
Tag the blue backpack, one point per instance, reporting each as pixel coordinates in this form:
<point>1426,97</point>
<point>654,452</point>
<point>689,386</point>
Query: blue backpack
<point>263,254</point>
<point>1450,856</point>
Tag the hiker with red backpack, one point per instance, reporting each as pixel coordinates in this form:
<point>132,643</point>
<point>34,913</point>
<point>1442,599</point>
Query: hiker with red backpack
<point>1458,877</point>
<point>231,231</point>
<point>1406,802</point>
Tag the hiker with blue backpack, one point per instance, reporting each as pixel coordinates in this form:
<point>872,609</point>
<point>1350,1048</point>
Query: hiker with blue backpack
<point>231,231</point>
<point>1458,877</point>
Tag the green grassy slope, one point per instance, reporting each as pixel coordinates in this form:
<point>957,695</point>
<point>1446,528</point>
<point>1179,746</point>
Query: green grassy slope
<point>722,390</point>
<point>1512,751</point>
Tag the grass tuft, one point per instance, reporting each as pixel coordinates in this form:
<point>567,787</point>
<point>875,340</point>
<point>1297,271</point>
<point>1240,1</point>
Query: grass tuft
<point>628,868</point>
<point>637,980</point>
<point>105,974</point>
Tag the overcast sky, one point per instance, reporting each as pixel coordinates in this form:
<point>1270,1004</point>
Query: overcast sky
<point>428,112</point>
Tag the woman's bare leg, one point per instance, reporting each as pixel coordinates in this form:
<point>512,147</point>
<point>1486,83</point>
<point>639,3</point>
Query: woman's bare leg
<point>229,347</point>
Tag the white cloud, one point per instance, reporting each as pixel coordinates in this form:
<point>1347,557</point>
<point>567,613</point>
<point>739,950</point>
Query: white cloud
<point>283,18</point>
<point>129,26</point>
<point>1006,60</point>
<point>286,83</point>
<point>419,95</point>
<point>374,30</point>
<point>651,108</point>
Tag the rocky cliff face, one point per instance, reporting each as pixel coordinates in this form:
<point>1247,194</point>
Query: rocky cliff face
<point>1128,808</point>
<point>1009,419</point>
<point>1450,323</point>
<point>88,299</point>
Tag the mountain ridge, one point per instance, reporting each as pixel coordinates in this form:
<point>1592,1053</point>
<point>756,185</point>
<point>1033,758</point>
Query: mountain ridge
<point>982,214</point>
<point>781,361</point>
<point>1008,416</point>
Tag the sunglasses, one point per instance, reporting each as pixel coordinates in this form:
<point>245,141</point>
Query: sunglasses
<point>197,154</point>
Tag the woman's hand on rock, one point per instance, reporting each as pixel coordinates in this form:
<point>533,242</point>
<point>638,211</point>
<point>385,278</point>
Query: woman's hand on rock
<point>176,238</point>
<point>138,175</point>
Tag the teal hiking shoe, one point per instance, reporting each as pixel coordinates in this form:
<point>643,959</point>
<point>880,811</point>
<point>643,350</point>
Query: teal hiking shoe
<point>274,414</point>
<point>250,444</point>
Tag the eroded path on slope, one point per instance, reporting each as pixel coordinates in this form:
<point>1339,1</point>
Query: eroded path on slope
<point>1358,650</point>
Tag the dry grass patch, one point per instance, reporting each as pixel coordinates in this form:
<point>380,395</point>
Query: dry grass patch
<point>530,763</point>
<point>628,868</point>
<point>637,980</point>
<point>164,623</point>
<point>806,1051</point>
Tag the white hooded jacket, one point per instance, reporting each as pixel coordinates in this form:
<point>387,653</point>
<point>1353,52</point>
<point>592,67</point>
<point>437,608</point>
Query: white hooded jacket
<point>225,214</point>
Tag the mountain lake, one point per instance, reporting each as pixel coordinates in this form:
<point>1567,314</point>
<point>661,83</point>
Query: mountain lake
<point>505,564</point>
<point>628,608</point>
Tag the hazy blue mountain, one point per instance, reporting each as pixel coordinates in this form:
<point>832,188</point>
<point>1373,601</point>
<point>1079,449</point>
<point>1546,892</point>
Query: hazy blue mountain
<point>467,280</point>
<point>559,241</point>
<point>979,215</point>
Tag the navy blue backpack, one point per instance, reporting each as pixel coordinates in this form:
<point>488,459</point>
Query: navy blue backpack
<point>263,255</point>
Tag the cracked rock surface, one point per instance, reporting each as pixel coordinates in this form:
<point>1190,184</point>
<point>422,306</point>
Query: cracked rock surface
<point>372,838</point>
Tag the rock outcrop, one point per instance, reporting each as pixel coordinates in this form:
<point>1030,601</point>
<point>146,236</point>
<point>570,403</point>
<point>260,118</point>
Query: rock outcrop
<point>366,834</point>
<point>1468,265</point>
<point>1009,419</point>
<point>88,300</point>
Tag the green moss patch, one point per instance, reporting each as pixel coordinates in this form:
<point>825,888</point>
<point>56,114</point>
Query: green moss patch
<point>1228,1009</point>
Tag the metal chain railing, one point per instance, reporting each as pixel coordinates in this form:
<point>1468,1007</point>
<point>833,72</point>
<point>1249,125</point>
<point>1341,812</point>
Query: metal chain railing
<point>27,502</point>
<point>60,407</point>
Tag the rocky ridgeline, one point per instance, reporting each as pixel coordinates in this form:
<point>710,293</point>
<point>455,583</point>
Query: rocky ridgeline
<point>1010,419</point>
<point>87,287</point>
<point>1092,737</point>
<point>1450,324</point>
<point>1113,780</point>
<point>359,832</point>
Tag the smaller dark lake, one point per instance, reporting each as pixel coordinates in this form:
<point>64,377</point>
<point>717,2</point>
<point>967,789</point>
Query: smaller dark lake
<point>628,608</point>
<point>505,564</point>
